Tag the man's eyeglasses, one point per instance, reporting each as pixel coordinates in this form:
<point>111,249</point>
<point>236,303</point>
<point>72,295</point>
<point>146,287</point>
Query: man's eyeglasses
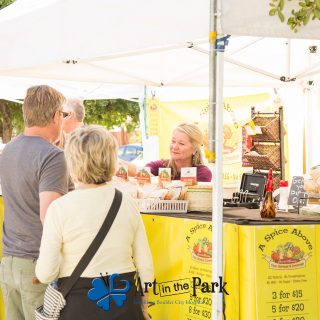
<point>64,114</point>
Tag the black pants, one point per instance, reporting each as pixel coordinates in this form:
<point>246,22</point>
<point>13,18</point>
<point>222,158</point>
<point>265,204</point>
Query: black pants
<point>80,307</point>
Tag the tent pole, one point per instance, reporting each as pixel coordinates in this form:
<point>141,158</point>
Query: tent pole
<point>143,118</point>
<point>289,58</point>
<point>251,68</point>
<point>215,136</point>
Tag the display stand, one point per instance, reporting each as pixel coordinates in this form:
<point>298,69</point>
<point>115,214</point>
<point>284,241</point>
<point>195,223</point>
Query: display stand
<point>267,150</point>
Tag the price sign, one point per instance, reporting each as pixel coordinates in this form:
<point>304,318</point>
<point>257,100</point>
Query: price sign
<point>286,275</point>
<point>197,263</point>
<point>297,192</point>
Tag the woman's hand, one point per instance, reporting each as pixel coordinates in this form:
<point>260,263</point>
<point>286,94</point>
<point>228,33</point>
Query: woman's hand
<point>145,305</point>
<point>145,313</point>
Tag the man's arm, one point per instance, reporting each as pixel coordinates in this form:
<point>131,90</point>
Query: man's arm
<point>46,198</point>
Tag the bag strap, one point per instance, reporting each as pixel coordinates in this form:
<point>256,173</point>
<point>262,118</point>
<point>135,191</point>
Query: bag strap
<point>94,246</point>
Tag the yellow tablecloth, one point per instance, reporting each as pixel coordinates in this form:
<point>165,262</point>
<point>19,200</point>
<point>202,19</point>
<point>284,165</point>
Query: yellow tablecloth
<point>182,250</point>
<point>2,317</point>
<point>272,270</point>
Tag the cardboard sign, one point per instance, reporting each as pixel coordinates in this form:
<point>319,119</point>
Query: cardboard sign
<point>297,192</point>
<point>164,176</point>
<point>286,272</point>
<point>189,176</point>
<point>122,171</point>
<point>144,175</point>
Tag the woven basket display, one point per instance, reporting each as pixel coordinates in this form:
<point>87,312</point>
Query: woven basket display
<point>268,156</point>
<point>162,206</point>
<point>269,127</point>
<point>276,181</point>
<point>200,198</point>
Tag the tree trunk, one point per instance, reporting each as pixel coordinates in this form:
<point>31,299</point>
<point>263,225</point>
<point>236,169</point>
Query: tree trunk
<point>6,122</point>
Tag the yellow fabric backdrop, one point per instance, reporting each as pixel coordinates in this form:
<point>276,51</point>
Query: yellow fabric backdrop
<point>237,112</point>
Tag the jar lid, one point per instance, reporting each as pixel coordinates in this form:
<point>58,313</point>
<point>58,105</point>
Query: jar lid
<point>283,183</point>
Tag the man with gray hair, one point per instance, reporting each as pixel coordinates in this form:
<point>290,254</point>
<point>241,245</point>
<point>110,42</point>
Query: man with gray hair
<point>33,174</point>
<point>74,110</point>
<point>74,120</point>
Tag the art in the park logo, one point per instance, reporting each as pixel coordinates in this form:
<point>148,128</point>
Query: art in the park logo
<point>286,254</point>
<point>103,292</point>
<point>199,243</point>
<point>112,289</point>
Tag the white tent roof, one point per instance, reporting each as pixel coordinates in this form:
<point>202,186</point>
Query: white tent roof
<point>34,33</point>
<point>85,45</point>
<point>249,62</point>
<point>16,88</point>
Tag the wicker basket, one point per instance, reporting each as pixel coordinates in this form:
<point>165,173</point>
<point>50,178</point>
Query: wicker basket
<point>200,198</point>
<point>268,157</point>
<point>276,181</point>
<point>269,127</point>
<point>162,206</point>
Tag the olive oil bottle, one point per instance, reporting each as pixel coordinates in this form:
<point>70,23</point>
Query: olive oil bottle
<point>268,206</point>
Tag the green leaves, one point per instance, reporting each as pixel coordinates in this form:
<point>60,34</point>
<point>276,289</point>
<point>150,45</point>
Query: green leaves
<point>281,5</point>
<point>5,3</point>
<point>280,15</point>
<point>272,12</point>
<point>113,113</point>
<point>108,113</point>
<point>307,9</point>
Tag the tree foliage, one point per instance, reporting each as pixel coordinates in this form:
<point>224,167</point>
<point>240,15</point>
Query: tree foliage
<point>4,3</point>
<point>109,113</point>
<point>113,113</point>
<point>306,10</point>
<point>11,119</point>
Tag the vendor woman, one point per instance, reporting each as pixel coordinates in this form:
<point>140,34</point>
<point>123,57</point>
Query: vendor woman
<point>185,151</point>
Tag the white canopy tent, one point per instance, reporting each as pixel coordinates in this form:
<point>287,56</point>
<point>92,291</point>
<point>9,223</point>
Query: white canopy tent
<point>248,62</point>
<point>12,88</point>
<point>148,42</point>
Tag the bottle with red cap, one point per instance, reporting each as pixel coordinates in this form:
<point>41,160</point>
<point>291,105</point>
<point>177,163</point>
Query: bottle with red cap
<point>268,206</point>
<point>284,193</point>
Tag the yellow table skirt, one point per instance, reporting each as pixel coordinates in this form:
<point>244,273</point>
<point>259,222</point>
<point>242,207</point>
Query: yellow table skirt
<point>182,250</point>
<point>2,316</point>
<point>272,271</point>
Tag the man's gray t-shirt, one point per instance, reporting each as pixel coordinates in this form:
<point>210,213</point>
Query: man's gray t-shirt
<point>28,165</point>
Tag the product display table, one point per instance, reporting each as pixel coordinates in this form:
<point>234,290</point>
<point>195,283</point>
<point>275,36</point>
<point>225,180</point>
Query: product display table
<point>272,267</point>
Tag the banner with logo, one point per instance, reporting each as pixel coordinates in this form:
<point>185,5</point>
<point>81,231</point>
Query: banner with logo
<point>182,254</point>
<point>153,116</point>
<point>286,272</point>
<point>197,266</point>
<point>318,264</point>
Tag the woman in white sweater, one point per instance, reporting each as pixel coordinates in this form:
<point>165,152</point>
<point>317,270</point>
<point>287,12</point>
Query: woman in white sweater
<point>73,221</point>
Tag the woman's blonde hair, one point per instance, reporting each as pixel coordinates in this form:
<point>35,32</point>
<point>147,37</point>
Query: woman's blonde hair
<point>91,154</point>
<point>196,137</point>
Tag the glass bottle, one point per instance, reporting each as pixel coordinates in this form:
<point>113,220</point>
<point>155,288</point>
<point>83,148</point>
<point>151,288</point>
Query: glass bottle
<point>268,207</point>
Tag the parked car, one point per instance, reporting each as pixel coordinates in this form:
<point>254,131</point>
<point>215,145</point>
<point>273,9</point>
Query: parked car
<point>130,152</point>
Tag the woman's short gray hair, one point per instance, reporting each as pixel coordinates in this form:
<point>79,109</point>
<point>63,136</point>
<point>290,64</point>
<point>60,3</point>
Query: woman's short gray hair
<point>91,154</point>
